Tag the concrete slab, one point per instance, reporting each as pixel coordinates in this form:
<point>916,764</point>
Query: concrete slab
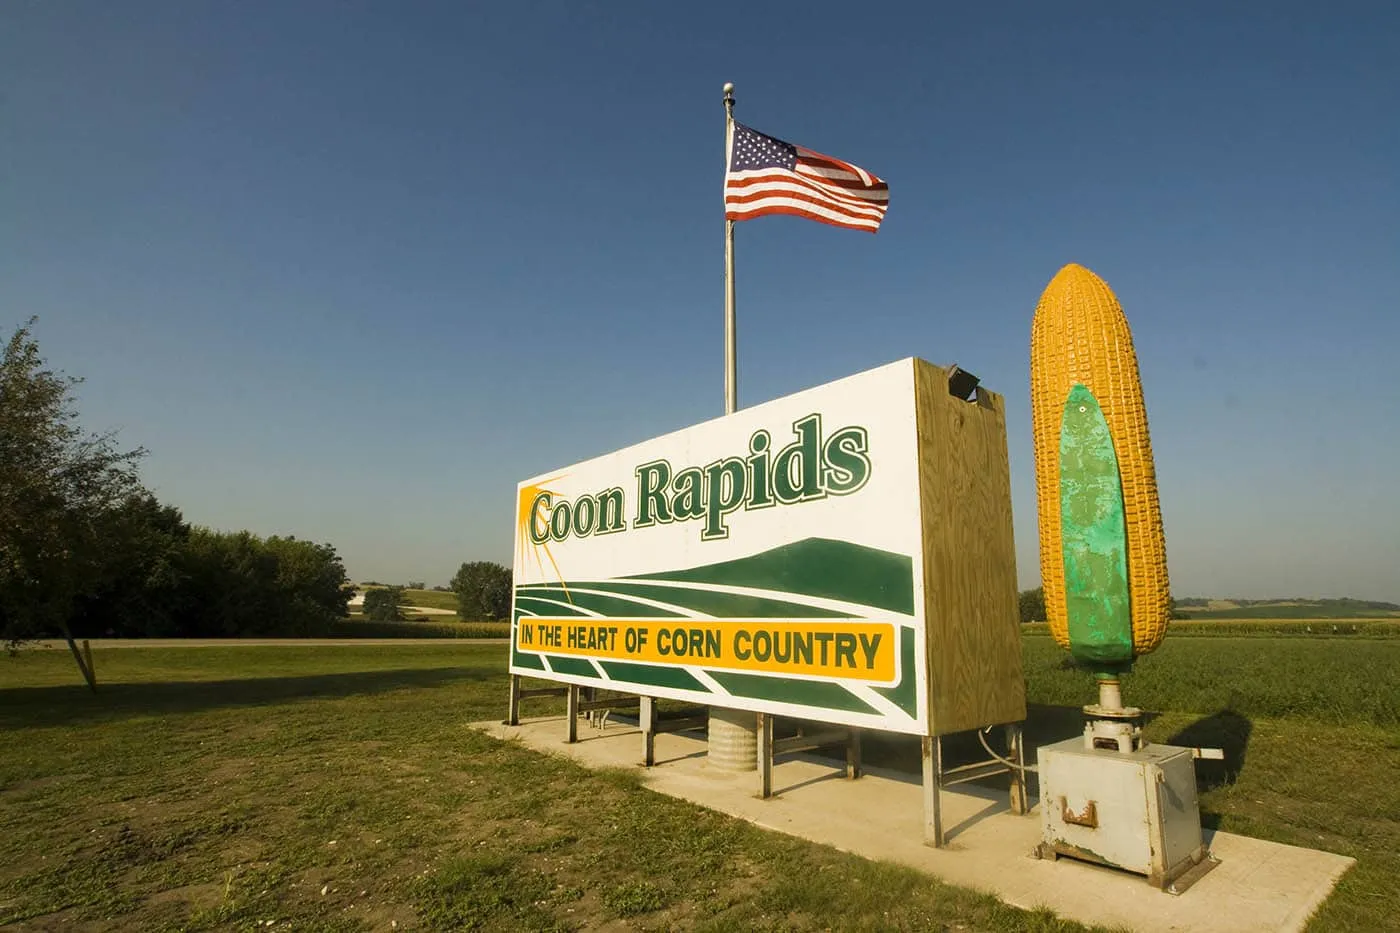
<point>1259,887</point>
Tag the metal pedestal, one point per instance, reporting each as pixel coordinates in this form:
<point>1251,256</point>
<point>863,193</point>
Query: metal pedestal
<point>1131,810</point>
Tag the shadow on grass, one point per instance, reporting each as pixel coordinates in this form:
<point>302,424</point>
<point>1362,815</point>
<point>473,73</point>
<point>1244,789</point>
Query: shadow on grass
<point>70,704</point>
<point>1226,730</point>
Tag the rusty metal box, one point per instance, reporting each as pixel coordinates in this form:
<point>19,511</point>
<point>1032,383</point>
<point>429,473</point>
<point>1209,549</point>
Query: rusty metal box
<point>1131,810</point>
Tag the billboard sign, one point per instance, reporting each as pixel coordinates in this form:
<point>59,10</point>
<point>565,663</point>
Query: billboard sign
<point>766,560</point>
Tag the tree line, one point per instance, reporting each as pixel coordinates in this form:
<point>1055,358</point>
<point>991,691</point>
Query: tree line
<point>1032,607</point>
<point>86,550</point>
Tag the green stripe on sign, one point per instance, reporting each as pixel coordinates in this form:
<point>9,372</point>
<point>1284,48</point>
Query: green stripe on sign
<point>816,567</point>
<point>532,661</point>
<point>652,675</point>
<point>612,606</point>
<point>539,607</point>
<point>904,694</point>
<point>722,605</point>
<point>814,693</point>
<point>580,667</point>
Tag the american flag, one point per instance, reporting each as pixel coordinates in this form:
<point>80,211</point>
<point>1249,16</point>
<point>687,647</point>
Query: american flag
<point>769,176</point>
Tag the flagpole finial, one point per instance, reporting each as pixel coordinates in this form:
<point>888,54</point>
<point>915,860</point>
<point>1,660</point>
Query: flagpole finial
<point>728,94</point>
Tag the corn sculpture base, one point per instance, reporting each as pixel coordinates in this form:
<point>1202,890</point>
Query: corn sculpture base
<point>1108,798</point>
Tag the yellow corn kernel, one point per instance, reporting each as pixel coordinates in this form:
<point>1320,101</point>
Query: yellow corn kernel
<point>1079,335</point>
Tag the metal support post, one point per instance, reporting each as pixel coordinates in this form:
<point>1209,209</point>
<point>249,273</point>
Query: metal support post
<point>1015,751</point>
<point>765,755</point>
<point>853,755</point>
<point>573,713</point>
<point>933,779</point>
<point>587,696</point>
<point>513,709</point>
<point>646,718</point>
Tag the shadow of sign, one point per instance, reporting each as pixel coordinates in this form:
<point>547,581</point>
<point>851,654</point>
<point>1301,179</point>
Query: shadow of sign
<point>1227,730</point>
<point>70,704</point>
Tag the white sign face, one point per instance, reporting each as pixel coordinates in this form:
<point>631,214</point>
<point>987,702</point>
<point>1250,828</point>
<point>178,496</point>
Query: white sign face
<point>768,560</point>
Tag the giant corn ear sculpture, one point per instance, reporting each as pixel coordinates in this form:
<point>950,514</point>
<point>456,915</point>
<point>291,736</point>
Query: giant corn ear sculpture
<point>1103,561</point>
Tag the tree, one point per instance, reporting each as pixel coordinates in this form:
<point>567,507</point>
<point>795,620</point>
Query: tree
<point>483,590</point>
<point>417,585</point>
<point>384,605</point>
<point>231,586</point>
<point>57,484</point>
<point>1032,603</point>
<point>314,587</point>
<point>240,584</point>
<point>141,579</point>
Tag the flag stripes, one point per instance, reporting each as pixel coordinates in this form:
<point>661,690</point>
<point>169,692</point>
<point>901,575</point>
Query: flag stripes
<point>768,176</point>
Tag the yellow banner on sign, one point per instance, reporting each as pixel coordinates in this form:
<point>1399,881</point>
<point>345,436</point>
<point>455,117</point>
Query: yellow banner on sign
<point>850,649</point>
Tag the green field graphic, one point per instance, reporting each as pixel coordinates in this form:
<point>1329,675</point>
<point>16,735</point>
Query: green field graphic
<point>779,583</point>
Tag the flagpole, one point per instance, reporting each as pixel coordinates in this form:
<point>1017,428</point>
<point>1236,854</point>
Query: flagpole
<point>731,359</point>
<point>732,735</point>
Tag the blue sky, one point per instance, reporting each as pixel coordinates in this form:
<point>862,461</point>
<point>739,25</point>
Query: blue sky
<point>351,270</point>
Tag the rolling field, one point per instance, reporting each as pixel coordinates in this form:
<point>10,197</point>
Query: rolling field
<point>423,599</point>
<point>1282,611</point>
<point>433,599</point>
<point>1233,626</point>
<point>338,789</point>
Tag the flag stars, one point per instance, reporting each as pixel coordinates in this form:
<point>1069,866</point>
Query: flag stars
<point>753,151</point>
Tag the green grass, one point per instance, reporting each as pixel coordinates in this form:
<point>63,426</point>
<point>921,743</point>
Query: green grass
<point>1338,682</point>
<point>340,789</point>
